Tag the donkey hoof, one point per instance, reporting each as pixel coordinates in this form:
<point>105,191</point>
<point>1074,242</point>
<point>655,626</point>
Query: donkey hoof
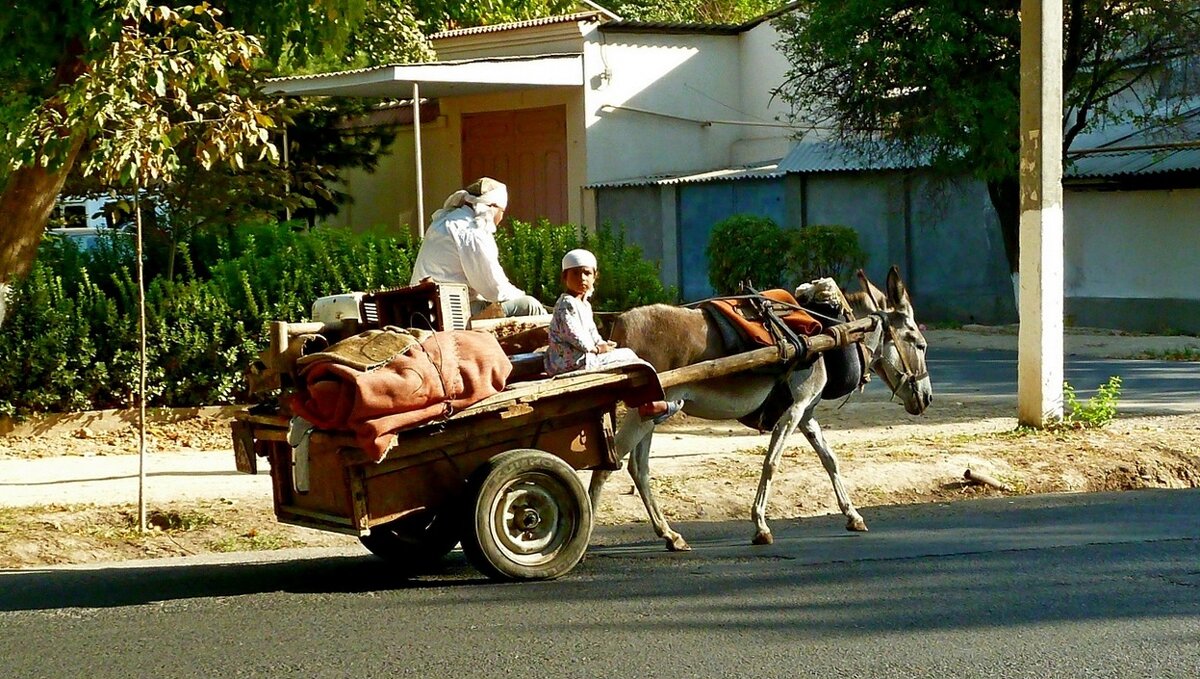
<point>678,544</point>
<point>856,524</point>
<point>763,538</point>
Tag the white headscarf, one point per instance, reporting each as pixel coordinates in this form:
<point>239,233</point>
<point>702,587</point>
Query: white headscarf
<point>485,195</point>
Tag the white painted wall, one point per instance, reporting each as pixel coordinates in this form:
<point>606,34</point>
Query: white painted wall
<point>762,68</point>
<point>690,76</point>
<point>1132,244</point>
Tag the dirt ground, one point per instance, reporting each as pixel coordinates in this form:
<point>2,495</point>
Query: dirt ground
<point>702,470</point>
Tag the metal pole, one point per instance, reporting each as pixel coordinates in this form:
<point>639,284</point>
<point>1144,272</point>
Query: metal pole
<point>141,397</point>
<point>1040,340</point>
<point>416,107</point>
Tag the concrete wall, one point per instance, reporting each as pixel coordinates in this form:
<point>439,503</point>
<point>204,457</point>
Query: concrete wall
<point>1133,259</point>
<point>761,68</point>
<point>689,76</point>
<point>944,237</point>
<point>957,269</point>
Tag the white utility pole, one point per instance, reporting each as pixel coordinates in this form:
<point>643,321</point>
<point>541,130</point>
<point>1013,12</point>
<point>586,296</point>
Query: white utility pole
<point>1040,342</point>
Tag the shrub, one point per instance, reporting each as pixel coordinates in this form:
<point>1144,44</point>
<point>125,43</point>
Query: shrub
<point>746,248</point>
<point>532,257</point>
<point>627,279</point>
<point>70,341</point>
<point>825,251</point>
<point>1097,412</point>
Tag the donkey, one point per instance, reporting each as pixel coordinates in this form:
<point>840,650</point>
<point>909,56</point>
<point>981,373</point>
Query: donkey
<point>671,337</point>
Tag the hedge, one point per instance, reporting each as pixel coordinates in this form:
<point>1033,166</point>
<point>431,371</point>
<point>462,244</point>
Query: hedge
<point>70,341</point>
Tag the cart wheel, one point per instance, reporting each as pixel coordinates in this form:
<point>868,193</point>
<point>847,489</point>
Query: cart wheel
<point>530,517</point>
<point>415,541</point>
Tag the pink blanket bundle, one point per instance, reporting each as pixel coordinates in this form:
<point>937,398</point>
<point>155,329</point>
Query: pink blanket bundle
<point>443,374</point>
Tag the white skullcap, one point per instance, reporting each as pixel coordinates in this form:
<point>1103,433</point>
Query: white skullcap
<point>579,257</point>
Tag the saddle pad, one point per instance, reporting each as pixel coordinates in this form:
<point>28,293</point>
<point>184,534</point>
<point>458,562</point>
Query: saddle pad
<point>744,316</point>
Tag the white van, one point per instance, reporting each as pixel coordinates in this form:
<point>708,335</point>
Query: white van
<point>83,220</point>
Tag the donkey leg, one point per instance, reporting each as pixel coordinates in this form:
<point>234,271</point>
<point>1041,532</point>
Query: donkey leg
<point>633,439</point>
<point>758,512</point>
<point>812,431</point>
<point>639,469</point>
<point>596,487</point>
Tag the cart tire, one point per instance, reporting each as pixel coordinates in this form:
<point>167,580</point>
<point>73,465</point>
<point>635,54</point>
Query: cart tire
<point>529,517</point>
<point>416,541</point>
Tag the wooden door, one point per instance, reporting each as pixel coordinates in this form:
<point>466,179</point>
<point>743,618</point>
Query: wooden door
<point>525,149</point>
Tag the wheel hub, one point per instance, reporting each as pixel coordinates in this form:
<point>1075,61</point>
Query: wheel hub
<point>529,518</point>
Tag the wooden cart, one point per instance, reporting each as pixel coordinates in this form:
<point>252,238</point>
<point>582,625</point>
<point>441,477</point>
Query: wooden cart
<point>499,477</point>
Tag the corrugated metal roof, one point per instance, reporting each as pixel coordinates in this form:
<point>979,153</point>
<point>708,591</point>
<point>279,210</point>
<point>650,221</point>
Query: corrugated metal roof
<point>438,78</point>
<point>1129,163</point>
<point>513,25</point>
<point>765,170</point>
<point>830,156</point>
<point>1126,150</point>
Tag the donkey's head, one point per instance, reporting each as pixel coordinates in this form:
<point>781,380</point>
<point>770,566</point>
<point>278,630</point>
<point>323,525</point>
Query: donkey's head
<point>900,357</point>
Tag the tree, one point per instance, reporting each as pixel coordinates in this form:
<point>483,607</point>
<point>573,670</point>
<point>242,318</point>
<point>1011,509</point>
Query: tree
<point>86,79</point>
<point>939,81</point>
<point>450,14</point>
<point>691,11</point>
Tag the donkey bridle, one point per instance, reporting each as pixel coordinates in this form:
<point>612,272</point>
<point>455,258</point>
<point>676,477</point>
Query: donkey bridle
<point>906,373</point>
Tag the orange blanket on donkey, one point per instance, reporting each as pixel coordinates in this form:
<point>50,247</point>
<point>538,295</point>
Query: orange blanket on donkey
<point>737,310</point>
<point>445,372</point>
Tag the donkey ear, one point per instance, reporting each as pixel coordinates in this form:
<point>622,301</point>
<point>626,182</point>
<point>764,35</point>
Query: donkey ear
<point>868,290</point>
<point>897,294</point>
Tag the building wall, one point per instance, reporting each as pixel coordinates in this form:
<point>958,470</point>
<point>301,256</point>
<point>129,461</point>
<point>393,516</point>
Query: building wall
<point>688,76</point>
<point>957,269</point>
<point>1131,259</point>
<point>761,69</point>
<point>387,197</point>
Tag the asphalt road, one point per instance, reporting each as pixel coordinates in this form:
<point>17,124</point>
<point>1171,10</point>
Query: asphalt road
<point>1103,585</point>
<point>1146,386</point>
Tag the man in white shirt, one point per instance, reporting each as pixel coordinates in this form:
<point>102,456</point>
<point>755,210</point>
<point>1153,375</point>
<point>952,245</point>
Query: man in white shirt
<point>460,247</point>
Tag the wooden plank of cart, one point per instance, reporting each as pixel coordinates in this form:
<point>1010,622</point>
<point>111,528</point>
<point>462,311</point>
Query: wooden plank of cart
<point>499,477</point>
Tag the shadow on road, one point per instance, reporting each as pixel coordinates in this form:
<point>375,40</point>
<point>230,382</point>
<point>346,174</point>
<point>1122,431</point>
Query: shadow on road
<point>983,563</point>
<point>37,589</point>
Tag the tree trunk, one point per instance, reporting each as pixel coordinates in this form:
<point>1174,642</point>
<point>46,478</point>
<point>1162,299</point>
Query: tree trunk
<point>1006,199</point>
<point>26,204</point>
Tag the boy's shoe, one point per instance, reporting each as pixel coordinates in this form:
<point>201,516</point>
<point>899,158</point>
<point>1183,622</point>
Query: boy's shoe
<point>672,408</point>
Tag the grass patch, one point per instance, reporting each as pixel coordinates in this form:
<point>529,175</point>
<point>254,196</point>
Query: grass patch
<point>252,541</point>
<point>1185,354</point>
<point>8,519</point>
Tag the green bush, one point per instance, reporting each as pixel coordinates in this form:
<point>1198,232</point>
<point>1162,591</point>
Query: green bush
<point>747,248</point>
<point>754,248</point>
<point>824,252</point>
<point>532,257</point>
